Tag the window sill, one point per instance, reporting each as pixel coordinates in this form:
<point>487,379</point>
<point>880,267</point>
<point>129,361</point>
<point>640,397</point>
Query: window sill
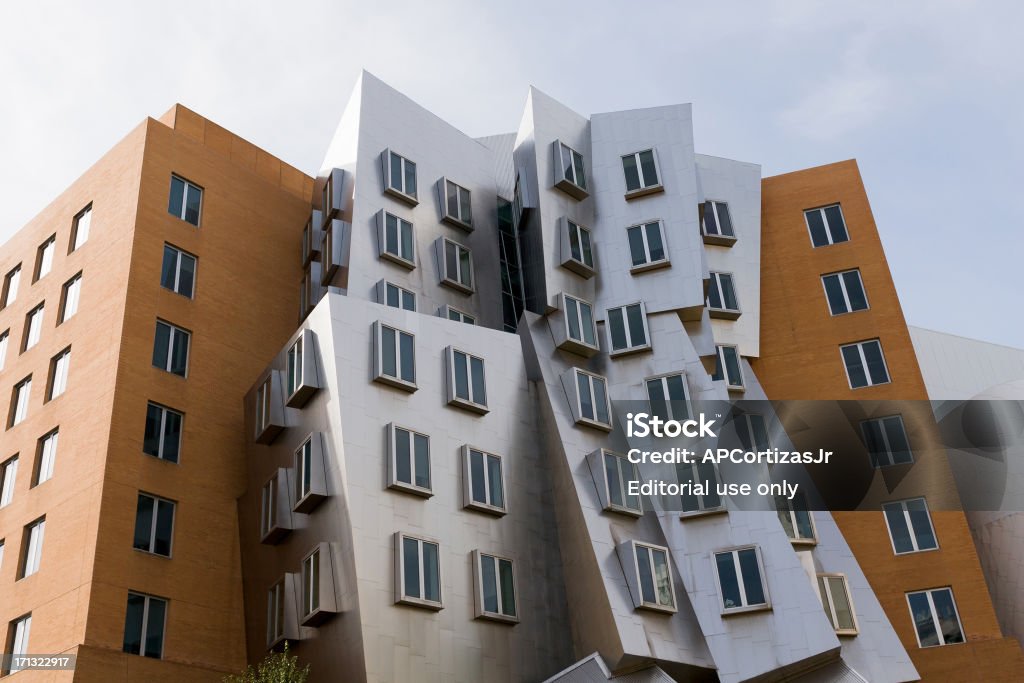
<point>410,488</point>
<point>274,536</point>
<point>719,240</point>
<point>478,408</point>
<point>710,512</point>
<point>420,603</point>
<point>272,645</point>
<point>746,610</point>
<point>396,383</point>
<point>308,503</point>
<point>499,618</point>
<point>484,507</point>
<point>660,609</point>
<point>580,348</point>
<point>398,260</point>
<point>148,553</point>
<point>269,433</point>
<point>842,313</point>
<point>580,268</point>
<point>572,189</point>
<point>868,386</point>
<point>644,191</point>
<point>629,351</point>
<point>804,542</point>
<point>316,617</point>
<point>594,424</point>
<point>409,199</point>
<point>848,633</point>
<point>301,396</point>
<point>653,265</point>
<point>457,286</point>
<point>628,512</point>
<point>452,220</point>
<point>723,314</point>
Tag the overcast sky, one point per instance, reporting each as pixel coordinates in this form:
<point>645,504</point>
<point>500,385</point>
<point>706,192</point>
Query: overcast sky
<point>927,97</point>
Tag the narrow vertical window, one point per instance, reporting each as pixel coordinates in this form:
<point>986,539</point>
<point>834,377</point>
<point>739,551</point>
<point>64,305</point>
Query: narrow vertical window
<point>33,327</point>
<point>722,300</point>
<point>457,266</point>
<point>80,228</point>
<point>70,294</point>
<point>154,525</point>
<point>170,348</point>
<point>57,382</point>
<point>295,366</point>
<point>8,475</point>
<point>18,643</point>
<point>570,175</point>
<point>654,578</point>
<point>727,367</point>
<point>579,321</point>
<point>618,472</point>
<point>5,337</point>
<point>457,205</point>
<point>591,398</point>
<point>19,401</point>
<point>186,200</point>
<point>835,598</point>
<point>577,249</point>
<point>10,291</point>
<point>275,613</point>
<point>311,583</point>
<point>46,456</point>
<point>44,258</point>
<point>178,272</point>
<point>32,548</point>
<point>162,438</point>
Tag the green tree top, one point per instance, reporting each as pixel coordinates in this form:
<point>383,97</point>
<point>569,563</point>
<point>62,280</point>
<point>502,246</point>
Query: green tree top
<point>276,667</point>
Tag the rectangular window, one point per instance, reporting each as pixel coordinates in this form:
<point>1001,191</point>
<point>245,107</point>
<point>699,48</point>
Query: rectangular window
<point>398,297</point>
<point>11,281</point>
<point>186,200</point>
<point>647,246</point>
<point>4,338</point>
<point>409,460</point>
<point>264,396</point>
<point>727,367</point>
<point>398,241</point>
<point>717,222</point>
<point>19,401</point>
<point>641,170</point>
<point>457,206</point>
<point>467,384</point>
<point>18,640</point>
<point>44,258</point>
<point>8,476</point>
<point>301,380</point>
<point>268,505</point>
<point>835,598</point>
<point>627,329</point>
<point>654,577</point>
<point>144,624</point>
<point>796,518</point>
<point>80,228</point>
<point>618,472</point>
<point>704,474</point>
<point>910,526</point>
<point>395,355</point>
<point>496,588</point>
<point>311,583</point>
<point>163,432</point>
<point>579,321</point>
<point>826,225</point>
<point>32,548</point>
<point>886,441</point>
<point>935,616</point>
<point>458,266</point>
<point>69,296</point>
<point>46,456</point>
<point>327,203</point>
<point>58,380</point>
<point>154,525</point>
<point>399,176</point>
<point>844,292</point>
<point>419,572</point>
<point>592,400</point>
<point>455,314</point>
<point>669,397</point>
<point>33,327</point>
<point>722,300</point>
<point>485,481</point>
<point>178,272</point>
<point>295,366</point>
<point>275,613</point>
<point>577,249</point>
<point>569,172</point>
<point>303,470</point>
<point>170,348</point>
<point>865,364</point>
<point>740,579</point>
<point>752,431</point>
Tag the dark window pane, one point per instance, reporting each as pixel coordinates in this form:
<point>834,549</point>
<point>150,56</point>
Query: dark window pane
<point>577,162</point>
<point>587,320</point>
<point>151,439</point>
<point>411,567</point>
<point>494,481</point>
<point>172,436</point>
<point>714,298</point>
<point>921,612</point>
<point>897,522</point>
<point>732,366</point>
<point>461,362</point>
<point>575,248</point>
<point>874,442</point>
<point>728,293</point>
<point>179,355</point>
<point>490,586</point>
<point>389,352</point>
<point>647,166</point>
<point>410,178</point>
<point>724,219</point>
<point>479,390</point>
<point>803,523</point>
<point>586,402</point>
<point>876,365</point>
<point>177,197</point>
<point>161,345</point>
<point>706,473</point>
<point>855,290</point>
<point>898,444</point>
<point>186,275</point>
<point>465,274</point>
<point>635,316</point>
<point>636,246</point>
<point>572,318</point>
<point>618,329</point>
<point>164,527</point>
<point>654,243</point>
<point>854,367</point>
<point>451,261</point>
<point>391,295</point>
<point>477,482</point>
<point>632,173</point>
<point>949,625</point>
<point>133,624</point>
<point>169,267</point>
<point>408,300</point>
<point>403,462</point>
<point>193,198</point>
<point>921,524</point>
<point>834,294</point>
<point>508,591</point>
<point>391,234</point>
<point>819,237</point>
<point>431,573</point>
<point>600,399</point>
<point>728,580</point>
<point>396,172</point>
<point>155,628</point>
<point>710,224</point>
<point>422,451</point>
<point>143,523</point>
<point>656,395</point>
<point>836,226</point>
<point>643,565</point>
<point>407,249</point>
<point>611,473</point>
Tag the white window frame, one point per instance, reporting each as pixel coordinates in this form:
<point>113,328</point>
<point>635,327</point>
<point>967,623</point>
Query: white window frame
<point>309,577</point>
<point>569,183</point>
<point>175,333</point>
<point>663,381</point>
<point>275,613</point>
<point>11,285</point>
<point>80,228</point>
<point>394,482</point>
<point>745,606</point>
<point>581,340</point>
<point>928,593</point>
<point>581,418</point>
<point>386,286</point>
<point>788,509</point>
<point>621,463</point>
<point>645,187</point>
<point>471,402</point>
<point>748,422</point>
<point>270,495</point>
<point>304,461</point>
<point>846,295</point>
<point>47,453</point>
<point>400,192</point>
<point>651,549</point>
<point>264,404</point>
<point>703,508</point>
<point>649,263</point>
<point>8,478</point>
<point>162,436</point>
<point>5,339</point>
<point>147,601</point>
<point>716,283</point>
<point>888,452</point>
<point>456,281</point>
<point>295,367</point>
<point>180,256</point>
<point>34,533</point>
<point>580,266</point>
<point>378,350</point>
<point>21,396</point>
<point>44,258</point>
<point>21,626</point>
<point>478,579</point>
<point>910,526</point>
<point>487,459</point>
<point>156,500</point>
<point>456,219</point>
<point>59,367</point>
<point>33,326</point>
<point>183,210</point>
<point>864,363</point>
<point>449,312</point>
<point>828,602</point>
<point>828,228</point>
<point>630,346</point>
<point>720,353</point>
<point>713,205</point>
<point>397,257</point>
<point>71,293</point>
<point>403,598</point>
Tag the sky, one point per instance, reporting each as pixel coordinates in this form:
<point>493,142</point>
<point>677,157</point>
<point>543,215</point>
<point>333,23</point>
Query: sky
<point>926,96</point>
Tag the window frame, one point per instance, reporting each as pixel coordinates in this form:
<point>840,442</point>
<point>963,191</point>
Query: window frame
<point>174,333</point>
<point>46,456</point>
<point>12,284</point>
<point>621,462</point>
<point>33,326</point>
<point>403,598</point>
<point>20,630</point>
<point>630,347</point>
<point>384,288</point>
<point>578,413</point>
<point>456,219</point>
<point>162,435</point>
<point>911,531</point>
<point>271,524</point>
<point>798,539</point>
<point>716,284</point>
<point>828,229</point>
<point>703,509</point>
<point>397,381</point>
<point>719,237</point>
<point>33,535</point>
<point>180,256</point>
<point>570,185</point>
<point>644,188</point>
<point>864,363</point>
<point>470,402</point>
<point>486,458</point>
<point>745,607</point>
<point>74,244</point>
<point>447,310</point>
<point>308,459</point>
<point>639,602</point>
<point>478,588</point>
<point>57,377</point>
<point>649,263</point>
<point>411,198</point>
<point>579,344</point>
<point>45,254</point>
<point>21,396</point>
<point>183,211</point>
<point>876,463</point>
<point>845,293</point>
<point>720,355</point>
<point>8,480</point>
<point>276,613</point>
<point>5,341</point>
<point>396,257</point>
<point>935,616</point>
<point>456,283</point>
<point>143,633</point>
<point>68,302</point>
<point>155,511</point>
<point>662,379</point>
<point>391,434</point>
<point>828,602</point>
<point>569,228</point>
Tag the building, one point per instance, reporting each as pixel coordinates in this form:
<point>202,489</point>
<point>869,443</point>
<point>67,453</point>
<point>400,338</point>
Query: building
<point>417,472</point>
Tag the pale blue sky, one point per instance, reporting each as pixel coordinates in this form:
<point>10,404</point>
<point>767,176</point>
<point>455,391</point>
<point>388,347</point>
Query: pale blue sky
<point>927,96</point>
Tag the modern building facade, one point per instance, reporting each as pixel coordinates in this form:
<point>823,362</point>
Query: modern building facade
<point>374,414</point>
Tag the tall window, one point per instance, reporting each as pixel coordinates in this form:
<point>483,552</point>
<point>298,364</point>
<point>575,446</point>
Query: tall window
<point>627,328</point>
<point>268,505</point>
<point>178,272</point>
<point>18,644</point>
<point>170,348</point>
<point>144,624</point>
<point>304,470</point>
<point>32,548</point>
<point>935,616</point>
<point>865,364</point>
<point>844,292</point>
<point>395,355</point>
<point>275,613</point>
<point>704,474</point>
<point>46,456</point>
<point>826,225</point>
<point>409,464</point>
<point>311,583</point>
<point>580,256</point>
<point>795,518</point>
<point>886,440</point>
<point>80,228</point>
<point>163,432</point>
<point>727,367</point>
<point>485,482</point>
<point>654,577</point>
<point>592,400</point>
<point>8,475</point>
<point>647,246</point>
<point>641,170</point>
<point>618,472</point>
<point>579,321</point>
<point>717,222</point>
<point>668,397</point>
<point>722,294</point>
<point>295,366</point>
<point>19,401</point>
<point>458,266</point>
<point>569,172</point>
<point>11,281</point>
<point>835,598</point>
<point>740,579</point>
<point>44,257</point>
<point>398,242</point>
<point>752,431</point>
<point>398,297</point>
<point>496,587</point>
<point>58,380</point>
<point>69,296</point>
<point>264,397</point>
<point>400,176</point>
<point>33,327</point>
<point>186,200</point>
<point>466,380</point>
<point>910,526</point>
<point>457,208</point>
<point>154,525</point>
<point>4,339</point>
<point>419,566</point>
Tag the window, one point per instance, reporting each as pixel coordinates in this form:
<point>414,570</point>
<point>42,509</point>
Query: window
<point>178,272</point>
<point>399,176</point>
<point>796,518</point>
<point>592,400</point>
<point>18,640</point>
<point>467,385</point>
<point>722,300</point>
<point>154,525</point>
<point>304,470</point>
<point>144,624</point>
<point>457,208</point>
<point>618,472</point>
<point>495,588</point>
<point>58,381</point>
<point>69,296</point>
<point>269,499</point>
<point>865,364</point>
<point>669,396</point>
<point>395,357</point>
<point>80,228</point>
<point>844,292</point>
<point>33,327</point>
<point>10,292</point>
<point>910,526</point>
<point>752,431</point>
<point>264,401</point>
<point>419,572</point>
<point>577,249</point>
<point>569,173</point>
<point>397,297</point>
<point>579,321</point>
<point>46,455</point>
<point>294,366</point>
<point>647,246</point>
<point>727,367</point>
<point>740,579</point>
<point>398,241</point>
<point>627,329</point>
<point>311,583</point>
<point>44,258</point>
<point>886,440</point>
<point>641,169</point>
<point>935,617</point>
<point>704,474</point>
<point>186,200</point>
<point>312,236</point>
<point>458,266</point>
<point>484,481</point>
<point>275,613</point>
<point>19,401</point>
<point>835,598</point>
<point>328,205</point>
<point>4,337</point>
<point>717,223</point>
<point>455,314</point>
<point>170,348</point>
<point>1,553</point>
<point>654,578</point>
<point>32,548</point>
<point>163,432</point>
<point>301,376</point>
<point>826,225</point>
<point>408,460</point>
<point>8,475</point>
